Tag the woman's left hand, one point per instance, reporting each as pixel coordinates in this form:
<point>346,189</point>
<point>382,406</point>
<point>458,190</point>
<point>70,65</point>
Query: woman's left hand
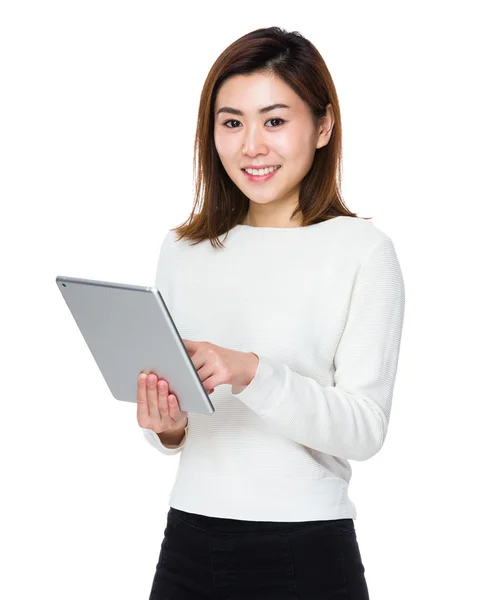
<point>216,365</point>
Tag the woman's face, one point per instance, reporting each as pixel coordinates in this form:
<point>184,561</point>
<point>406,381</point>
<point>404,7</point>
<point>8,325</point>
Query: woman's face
<point>280,136</point>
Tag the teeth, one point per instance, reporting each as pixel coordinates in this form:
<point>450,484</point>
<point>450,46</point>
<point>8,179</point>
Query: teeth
<point>261,171</point>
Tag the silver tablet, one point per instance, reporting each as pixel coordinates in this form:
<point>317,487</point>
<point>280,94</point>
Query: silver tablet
<point>129,329</point>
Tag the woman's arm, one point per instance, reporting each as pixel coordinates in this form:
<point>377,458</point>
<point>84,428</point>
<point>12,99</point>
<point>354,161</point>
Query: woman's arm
<point>349,419</point>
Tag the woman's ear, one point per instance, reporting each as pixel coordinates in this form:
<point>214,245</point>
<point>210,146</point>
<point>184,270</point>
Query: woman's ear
<point>326,127</point>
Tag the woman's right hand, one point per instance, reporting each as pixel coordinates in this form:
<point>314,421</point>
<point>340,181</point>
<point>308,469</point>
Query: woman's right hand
<point>157,409</point>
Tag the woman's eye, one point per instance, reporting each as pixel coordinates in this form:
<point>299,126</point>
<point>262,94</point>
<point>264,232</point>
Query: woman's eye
<point>235,121</point>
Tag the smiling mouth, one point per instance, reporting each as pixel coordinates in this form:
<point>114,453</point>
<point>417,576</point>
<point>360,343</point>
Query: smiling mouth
<point>260,178</point>
<point>273,167</point>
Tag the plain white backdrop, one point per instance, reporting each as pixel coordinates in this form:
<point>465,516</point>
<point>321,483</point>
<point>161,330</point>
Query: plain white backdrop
<point>98,111</point>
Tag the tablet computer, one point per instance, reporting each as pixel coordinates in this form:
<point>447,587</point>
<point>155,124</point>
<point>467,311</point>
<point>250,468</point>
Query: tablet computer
<point>129,329</point>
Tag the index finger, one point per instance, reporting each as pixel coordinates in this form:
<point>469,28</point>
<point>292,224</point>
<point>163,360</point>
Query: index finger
<point>143,412</point>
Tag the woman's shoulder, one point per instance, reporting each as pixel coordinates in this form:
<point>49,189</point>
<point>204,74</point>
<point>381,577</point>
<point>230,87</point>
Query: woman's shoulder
<point>365,230</point>
<point>361,237</point>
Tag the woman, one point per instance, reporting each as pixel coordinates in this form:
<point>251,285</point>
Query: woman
<point>294,327</point>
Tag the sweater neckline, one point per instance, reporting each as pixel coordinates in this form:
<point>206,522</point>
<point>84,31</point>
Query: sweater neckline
<point>240,225</point>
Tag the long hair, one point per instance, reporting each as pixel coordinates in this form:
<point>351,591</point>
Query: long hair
<point>296,61</point>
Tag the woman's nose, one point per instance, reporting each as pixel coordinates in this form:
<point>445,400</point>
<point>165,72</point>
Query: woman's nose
<point>254,142</point>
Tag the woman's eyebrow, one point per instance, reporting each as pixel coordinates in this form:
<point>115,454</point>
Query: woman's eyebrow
<point>236,111</point>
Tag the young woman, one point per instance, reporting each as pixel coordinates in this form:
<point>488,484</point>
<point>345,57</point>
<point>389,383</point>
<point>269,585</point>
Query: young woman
<point>294,326</point>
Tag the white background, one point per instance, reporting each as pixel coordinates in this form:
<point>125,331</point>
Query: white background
<point>98,111</point>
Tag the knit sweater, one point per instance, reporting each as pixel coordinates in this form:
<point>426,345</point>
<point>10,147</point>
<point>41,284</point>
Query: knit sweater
<point>322,306</point>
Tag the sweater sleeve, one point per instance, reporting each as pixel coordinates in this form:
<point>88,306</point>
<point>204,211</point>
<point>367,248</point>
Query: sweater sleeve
<point>163,279</point>
<point>349,419</point>
<point>154,440</point>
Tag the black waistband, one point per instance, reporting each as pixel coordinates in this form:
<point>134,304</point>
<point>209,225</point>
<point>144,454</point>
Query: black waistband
<point>224,525</point>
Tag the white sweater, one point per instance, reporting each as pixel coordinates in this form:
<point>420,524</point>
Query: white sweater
<point>323,307</point>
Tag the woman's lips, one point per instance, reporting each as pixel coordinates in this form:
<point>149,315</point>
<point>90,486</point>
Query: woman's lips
<point>260,178</point>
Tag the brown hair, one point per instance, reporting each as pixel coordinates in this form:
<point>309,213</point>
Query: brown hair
<point>297,62</point>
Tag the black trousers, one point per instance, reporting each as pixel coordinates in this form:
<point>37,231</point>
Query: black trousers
<point>209,558</point>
